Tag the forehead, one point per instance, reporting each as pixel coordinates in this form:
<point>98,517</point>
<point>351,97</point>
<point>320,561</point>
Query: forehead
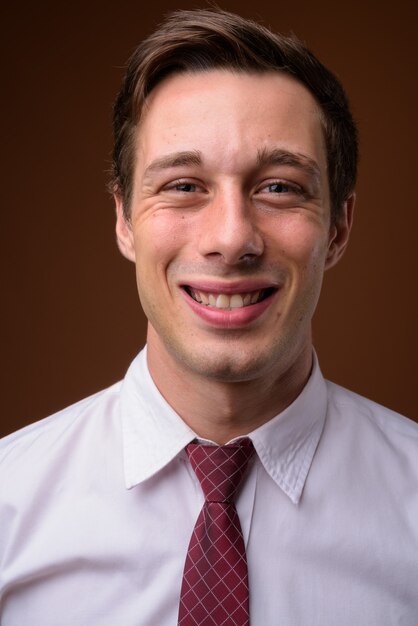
<point>229,116</point>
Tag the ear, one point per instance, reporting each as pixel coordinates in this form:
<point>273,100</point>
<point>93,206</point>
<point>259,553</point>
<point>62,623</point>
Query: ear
<point>124,234</point>
<point>339,233</point>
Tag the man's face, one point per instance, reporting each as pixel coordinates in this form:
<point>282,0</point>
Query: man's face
<point>230,222</point>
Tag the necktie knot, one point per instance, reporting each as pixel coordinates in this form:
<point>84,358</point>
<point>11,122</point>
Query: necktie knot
<point>220,468</point>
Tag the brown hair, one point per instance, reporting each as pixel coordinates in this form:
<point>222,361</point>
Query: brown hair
<point>201,40</point>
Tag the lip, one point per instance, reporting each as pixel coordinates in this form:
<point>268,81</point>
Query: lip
<point>229,318</point>
<point>238,286</point>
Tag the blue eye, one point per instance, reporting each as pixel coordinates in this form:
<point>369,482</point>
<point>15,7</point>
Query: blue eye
<point>185,187</point>
<point>279,188</point>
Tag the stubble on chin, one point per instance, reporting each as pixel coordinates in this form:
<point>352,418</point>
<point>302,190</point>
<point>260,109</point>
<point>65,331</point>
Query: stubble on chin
<point>231,362</point>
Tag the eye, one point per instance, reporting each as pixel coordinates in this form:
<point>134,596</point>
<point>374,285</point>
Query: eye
<point>187,187</point>
<point>280,187</point>
<point>183,186</point>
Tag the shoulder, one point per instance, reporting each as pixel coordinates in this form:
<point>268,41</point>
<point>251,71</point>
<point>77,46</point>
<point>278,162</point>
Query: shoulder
<point>33,442</point>
<point>347,402</point>
<point>368,428</point>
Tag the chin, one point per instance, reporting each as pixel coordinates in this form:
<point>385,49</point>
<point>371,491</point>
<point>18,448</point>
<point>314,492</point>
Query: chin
<point>226,370</point>
<point>231,364</point>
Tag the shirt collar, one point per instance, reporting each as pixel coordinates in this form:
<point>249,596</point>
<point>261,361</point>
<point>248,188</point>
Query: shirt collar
<point>154,434</point>
<point>286,444</point>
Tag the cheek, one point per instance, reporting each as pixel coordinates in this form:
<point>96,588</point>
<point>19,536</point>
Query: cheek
<point>158,241</point>
<point>303,242</point>
<point>157,234</point>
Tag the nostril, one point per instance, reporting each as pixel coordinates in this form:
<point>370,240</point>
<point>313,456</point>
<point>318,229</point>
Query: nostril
<point>248,256</point>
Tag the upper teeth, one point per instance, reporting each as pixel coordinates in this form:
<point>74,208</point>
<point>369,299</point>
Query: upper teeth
<point>225,301</point>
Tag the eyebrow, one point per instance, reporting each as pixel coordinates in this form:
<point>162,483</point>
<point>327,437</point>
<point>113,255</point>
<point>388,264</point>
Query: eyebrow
<point>175,159</point>
<point>277,156</point>
<point>265,157</point>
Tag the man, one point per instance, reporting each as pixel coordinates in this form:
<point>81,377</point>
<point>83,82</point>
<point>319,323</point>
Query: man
<point>234,174</point>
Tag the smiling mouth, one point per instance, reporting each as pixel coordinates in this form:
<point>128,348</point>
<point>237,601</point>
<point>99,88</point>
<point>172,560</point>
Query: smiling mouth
<point>229,301</point>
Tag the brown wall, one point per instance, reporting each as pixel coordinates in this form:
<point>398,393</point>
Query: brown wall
<point>71,321</point>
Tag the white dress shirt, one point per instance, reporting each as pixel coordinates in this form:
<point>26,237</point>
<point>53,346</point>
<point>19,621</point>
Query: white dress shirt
<point>98,503</point>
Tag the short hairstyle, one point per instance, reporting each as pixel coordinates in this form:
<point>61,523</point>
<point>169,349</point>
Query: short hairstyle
<point>203,40</point>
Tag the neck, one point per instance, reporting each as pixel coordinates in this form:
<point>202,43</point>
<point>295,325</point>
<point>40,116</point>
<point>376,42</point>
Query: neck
<point>219,410</point>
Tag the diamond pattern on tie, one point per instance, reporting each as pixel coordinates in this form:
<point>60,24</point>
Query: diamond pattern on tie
<point>215,579</point>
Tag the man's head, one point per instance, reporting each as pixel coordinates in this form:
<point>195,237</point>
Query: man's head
<point>199,41</point>
<point>224,194</point>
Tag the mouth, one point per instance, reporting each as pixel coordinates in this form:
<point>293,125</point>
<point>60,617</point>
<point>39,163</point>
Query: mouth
<point>229,301</point>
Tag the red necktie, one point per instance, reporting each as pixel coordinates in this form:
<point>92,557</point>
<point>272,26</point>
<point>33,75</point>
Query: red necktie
<point>215,579</point>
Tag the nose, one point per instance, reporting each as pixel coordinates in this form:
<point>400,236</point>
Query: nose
<point>229,230</point>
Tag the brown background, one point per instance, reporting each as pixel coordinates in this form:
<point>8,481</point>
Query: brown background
<point>71,321</point>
